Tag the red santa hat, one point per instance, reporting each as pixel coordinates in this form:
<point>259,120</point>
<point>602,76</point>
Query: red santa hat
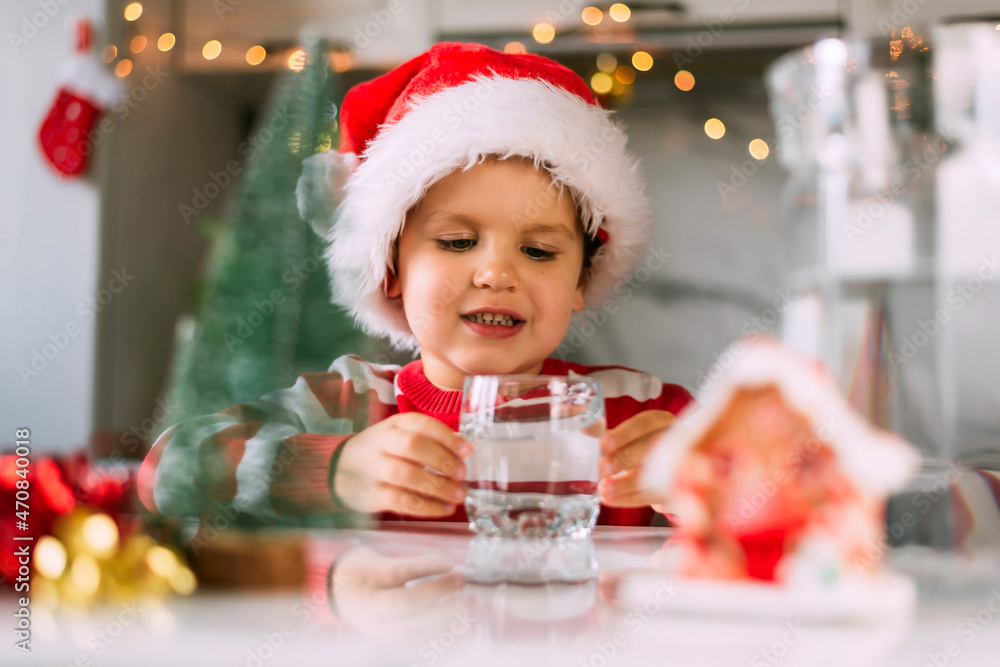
<point>442,111</point>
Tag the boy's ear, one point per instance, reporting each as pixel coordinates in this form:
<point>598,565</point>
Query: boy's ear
<point>391,285</point>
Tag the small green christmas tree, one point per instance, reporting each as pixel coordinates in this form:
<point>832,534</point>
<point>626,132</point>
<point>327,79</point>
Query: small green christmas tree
<point>264,314</point>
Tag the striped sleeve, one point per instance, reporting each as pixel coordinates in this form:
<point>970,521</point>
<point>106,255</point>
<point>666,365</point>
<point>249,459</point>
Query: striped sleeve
<point>673,398</point>
<point>270,458</point>
<point>627,392</point>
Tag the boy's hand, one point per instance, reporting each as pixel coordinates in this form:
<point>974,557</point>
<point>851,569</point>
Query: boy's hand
<point>624,448</point>
<point>382,469</point>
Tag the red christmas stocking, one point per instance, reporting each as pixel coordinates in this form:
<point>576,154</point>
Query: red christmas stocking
<point>86,89</point>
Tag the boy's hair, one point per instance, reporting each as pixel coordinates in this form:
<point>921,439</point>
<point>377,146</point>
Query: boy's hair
<point>590,244</point>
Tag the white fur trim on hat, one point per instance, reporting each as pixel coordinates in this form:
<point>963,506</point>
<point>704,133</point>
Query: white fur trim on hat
<point>579,143</point>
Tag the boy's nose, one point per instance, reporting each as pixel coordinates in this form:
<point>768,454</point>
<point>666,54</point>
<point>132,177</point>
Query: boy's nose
<point>496,271</point>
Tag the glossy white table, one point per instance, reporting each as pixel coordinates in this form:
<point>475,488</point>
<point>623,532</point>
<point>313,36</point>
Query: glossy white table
<point>401,600</point>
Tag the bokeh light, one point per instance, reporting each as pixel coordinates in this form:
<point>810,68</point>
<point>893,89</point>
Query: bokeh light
<point>684,80</point>
<point>642,61</point>
<point>606,62</point>
<point>759,149</point>
<point>714,128</point>
<point>133,11</point>
<point>625,74</point>
<point>212,49</point>
<point>161,561</point>
<point>592,15</point>
<point>543,33</point>
<point>297,60</point>
<point>601,82</point>
<point>166,41</point>
<point>256,54</point>
<point>619,12</point>
<point>342,60</point>
<point>123,68</point>
<point>100,535</point>
<point>50,557</point>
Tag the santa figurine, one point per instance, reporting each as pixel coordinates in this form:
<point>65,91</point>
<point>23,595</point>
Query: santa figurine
<point>86,88</point>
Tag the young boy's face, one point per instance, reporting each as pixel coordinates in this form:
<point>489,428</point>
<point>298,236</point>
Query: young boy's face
<point>475,242</point>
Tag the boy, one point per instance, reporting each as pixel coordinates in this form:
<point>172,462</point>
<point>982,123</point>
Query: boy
<point>486,199</point>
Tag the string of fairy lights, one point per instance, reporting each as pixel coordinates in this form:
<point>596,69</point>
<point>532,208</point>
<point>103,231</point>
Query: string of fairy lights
<point>613,78</point>
<point>211,49</point>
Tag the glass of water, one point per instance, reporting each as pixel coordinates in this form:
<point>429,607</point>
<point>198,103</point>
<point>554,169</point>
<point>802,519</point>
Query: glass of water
<point>533,472</point>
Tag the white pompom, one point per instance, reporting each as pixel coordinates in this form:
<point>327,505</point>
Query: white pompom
<point>321,187</point>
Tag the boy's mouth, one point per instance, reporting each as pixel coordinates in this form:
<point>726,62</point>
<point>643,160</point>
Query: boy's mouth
<point>493,325</point>
<point>492,319</point>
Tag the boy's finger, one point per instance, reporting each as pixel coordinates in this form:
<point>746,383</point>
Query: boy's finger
<point>402,501</point>
<point>395,572</point>
<point>425,451</point>
<point>623,458</point>
<point>623,491</point>
<point>596,429</point>
<point>365,568</point>
<point>636,427</point>
<point>416,478</point>
<point>420,597</point>
<point>641,424</point>
<point>631,499</point>
<point>415,422</point>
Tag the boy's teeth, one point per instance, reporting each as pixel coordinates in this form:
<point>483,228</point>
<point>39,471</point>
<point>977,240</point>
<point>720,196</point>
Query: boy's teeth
<point>490,318</point>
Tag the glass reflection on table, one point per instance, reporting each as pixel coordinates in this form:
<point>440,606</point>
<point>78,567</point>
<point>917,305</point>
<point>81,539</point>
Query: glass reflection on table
<point>408,588</point>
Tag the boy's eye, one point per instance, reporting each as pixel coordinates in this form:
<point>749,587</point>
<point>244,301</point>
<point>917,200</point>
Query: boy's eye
<point>465,244</point>
<point>543,254</point>
<point>447,245</point>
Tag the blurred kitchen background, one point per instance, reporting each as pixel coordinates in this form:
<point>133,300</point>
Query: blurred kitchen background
<point>115,255</point>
